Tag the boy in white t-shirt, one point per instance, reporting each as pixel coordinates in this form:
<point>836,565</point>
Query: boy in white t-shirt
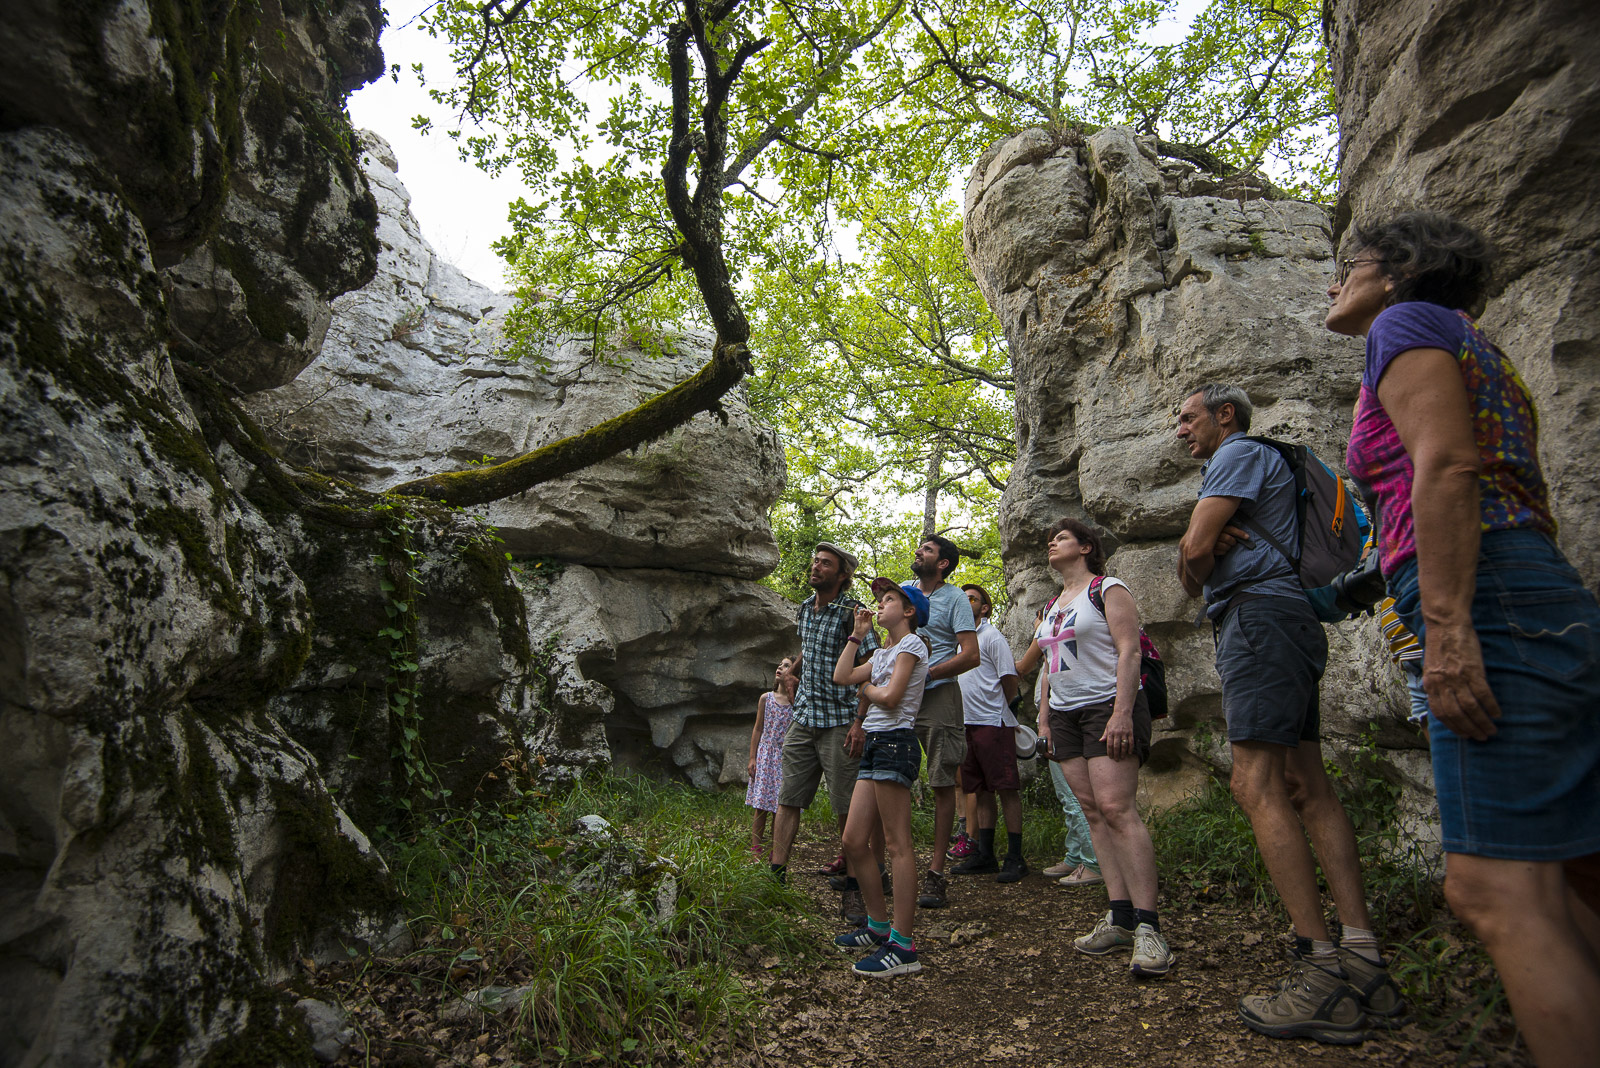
<point>988,700</point>
<point>892,683</point>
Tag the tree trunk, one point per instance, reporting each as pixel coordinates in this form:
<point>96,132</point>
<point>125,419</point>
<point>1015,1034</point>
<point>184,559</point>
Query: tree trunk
<point>932,483</point>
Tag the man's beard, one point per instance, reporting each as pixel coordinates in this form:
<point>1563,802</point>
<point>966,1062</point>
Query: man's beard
<point>929,570</point>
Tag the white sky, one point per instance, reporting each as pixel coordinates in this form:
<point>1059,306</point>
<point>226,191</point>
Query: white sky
<point>460,209</point>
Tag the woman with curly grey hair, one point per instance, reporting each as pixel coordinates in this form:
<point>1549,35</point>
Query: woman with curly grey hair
<point>1445,433</point>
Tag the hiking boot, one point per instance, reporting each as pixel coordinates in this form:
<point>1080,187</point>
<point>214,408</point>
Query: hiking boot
<point>1311,1002</point>
<point>837,867</point>
<point>1379,996</point>
<point>862,937</point>
<point>962,848</point>
<point>977,864</point>
<point>1150,953</point>
<point>838,882</point>
<point>888,960</point>
<point>852,908</point>
<point>1056,871</point>
<point>1105,937</point>
<point>1012,871</point>
<point>935,891</point>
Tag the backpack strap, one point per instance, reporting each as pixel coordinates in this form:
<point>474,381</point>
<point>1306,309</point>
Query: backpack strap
<point>1097,598</point>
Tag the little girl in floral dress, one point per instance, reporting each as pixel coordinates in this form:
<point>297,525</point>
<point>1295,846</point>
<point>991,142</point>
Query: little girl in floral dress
<point>765,771</point>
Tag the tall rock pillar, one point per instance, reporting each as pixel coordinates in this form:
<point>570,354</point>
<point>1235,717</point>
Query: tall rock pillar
<point>1123,283</point>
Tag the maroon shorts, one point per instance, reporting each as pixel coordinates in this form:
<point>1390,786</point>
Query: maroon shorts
<point>991,764</point>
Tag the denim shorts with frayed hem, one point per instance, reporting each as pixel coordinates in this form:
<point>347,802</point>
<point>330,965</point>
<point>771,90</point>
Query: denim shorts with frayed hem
<point>1532,790</point>
<point>891,756</point>
<point>1271,653</point>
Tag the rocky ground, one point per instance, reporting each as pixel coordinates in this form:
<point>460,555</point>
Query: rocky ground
<point>1001,985</point>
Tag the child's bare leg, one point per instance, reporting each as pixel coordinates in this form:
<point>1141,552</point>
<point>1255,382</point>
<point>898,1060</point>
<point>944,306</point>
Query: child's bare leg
<point>758,830</point>
<point>894,809</point>
<point>858,833</point>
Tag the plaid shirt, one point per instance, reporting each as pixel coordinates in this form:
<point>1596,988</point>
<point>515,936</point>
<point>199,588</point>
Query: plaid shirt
<point>819,703</point>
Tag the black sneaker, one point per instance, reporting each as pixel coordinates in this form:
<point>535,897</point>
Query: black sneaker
<point>838,882</point>
<point>935,891</point>
<point>1013,870</point>
<point>852,908</point>
<point>977,864</point>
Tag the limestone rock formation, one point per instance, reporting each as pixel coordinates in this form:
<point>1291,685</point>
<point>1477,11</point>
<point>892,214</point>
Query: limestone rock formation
<point>166,843</point>
<point>1123,282</point>
<point>1493,115</point>
<point>661,642</point>
<point>416,378</point>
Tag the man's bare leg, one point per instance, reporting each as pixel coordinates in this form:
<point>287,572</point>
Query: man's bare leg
<point>1260,788</point>
<point>944,814</point>
<point>1332,836</point>
<point>785,825</point>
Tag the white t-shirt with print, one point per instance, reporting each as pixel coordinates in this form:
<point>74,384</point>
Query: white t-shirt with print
<point>883,661</point>
<point>1078,650</point>
<point>982,699</point>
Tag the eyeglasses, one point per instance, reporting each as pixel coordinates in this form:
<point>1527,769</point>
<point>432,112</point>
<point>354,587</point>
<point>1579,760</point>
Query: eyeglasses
<point>1348,265</point>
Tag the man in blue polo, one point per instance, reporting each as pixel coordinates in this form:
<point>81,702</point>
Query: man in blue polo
<point>941,725</point>
<point>1271,653</point>
<point>819,740</point>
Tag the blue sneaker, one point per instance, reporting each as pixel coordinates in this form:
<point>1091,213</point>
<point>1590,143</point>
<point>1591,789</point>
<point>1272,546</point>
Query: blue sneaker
<point>888,960</point>
<point>862,937</point>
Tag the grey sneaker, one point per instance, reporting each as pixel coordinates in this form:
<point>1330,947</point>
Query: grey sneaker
<point>935,891</point>
<point>1105,937</point>
<point>1379,996</point>
<point>1311,1002</point>
<point>852,908</point>
<point>1150,953</point>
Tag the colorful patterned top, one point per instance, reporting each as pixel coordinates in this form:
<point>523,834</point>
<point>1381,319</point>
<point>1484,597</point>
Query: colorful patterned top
<point>1511,487</point>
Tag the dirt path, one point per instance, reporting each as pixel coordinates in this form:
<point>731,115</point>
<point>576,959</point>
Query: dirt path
<point>1002,985</point>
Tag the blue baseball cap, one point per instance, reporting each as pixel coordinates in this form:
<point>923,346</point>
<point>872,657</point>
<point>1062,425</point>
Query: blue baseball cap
<point>913,594</point>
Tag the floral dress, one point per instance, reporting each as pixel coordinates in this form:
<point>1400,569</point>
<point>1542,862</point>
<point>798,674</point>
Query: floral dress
<point>763,791</point>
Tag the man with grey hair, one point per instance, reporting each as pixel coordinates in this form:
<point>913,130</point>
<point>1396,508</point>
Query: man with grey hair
<point>1271,653</point>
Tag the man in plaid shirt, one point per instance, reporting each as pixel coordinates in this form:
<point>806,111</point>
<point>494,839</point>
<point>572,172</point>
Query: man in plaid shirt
<point>819,735</point>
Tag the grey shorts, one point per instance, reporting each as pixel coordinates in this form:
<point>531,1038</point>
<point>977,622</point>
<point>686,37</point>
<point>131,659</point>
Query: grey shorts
<point>942,730</point>
<point>808,753</point>
<point>1271,652</point>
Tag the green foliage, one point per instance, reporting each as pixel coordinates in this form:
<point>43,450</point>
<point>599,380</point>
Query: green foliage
<point>613,979</point>
<point>830,103</point>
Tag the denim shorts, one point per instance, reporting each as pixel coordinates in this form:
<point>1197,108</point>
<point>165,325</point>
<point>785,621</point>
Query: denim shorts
<point>1532,790</point>
<point>891,756</point>
<point>1271,653</point>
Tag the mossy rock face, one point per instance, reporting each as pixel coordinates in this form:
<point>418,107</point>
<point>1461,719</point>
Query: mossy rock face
<point>479,683</point>
<point>175,847</point>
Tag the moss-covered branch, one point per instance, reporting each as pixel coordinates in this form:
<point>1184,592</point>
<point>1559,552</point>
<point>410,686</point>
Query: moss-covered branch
<point>655,417</point>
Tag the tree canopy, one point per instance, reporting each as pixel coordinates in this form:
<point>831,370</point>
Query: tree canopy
<point>691,160</point>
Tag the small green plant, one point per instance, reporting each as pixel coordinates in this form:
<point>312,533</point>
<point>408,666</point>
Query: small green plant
<point>408,324</point>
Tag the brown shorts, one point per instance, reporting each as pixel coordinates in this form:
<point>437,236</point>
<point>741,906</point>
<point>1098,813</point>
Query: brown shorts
<point>1076,732</point>
<point>991,764</point>
<point>809,753</point>
<point>942,733</point>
